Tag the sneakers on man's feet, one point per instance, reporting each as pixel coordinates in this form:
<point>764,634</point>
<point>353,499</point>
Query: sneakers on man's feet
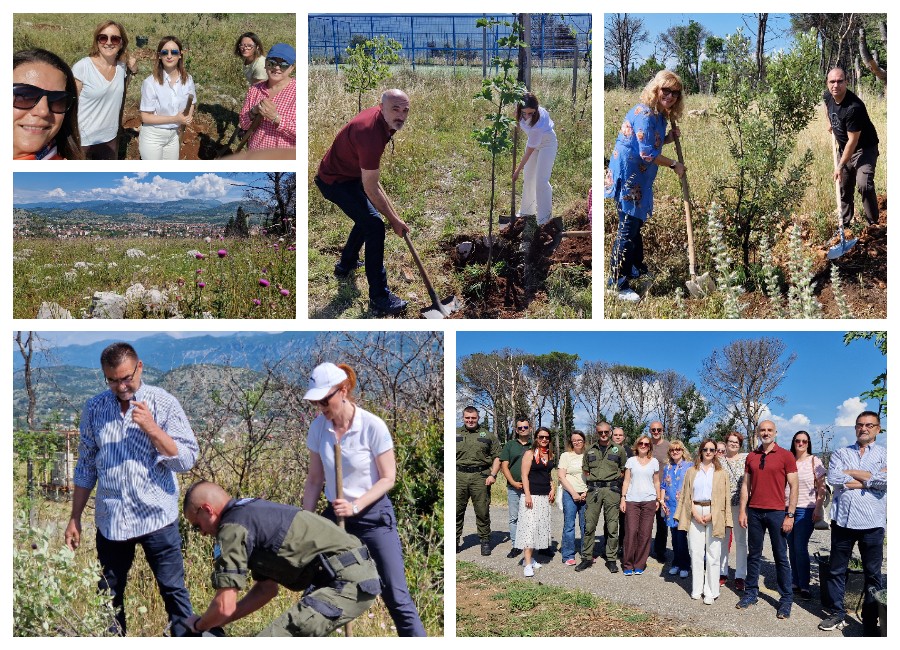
<point>638,572</point>
<point>835,622</point>
<point>340,272</point>
<point>485,548</point>
<point>514,552</point>
<point>739,584</point>
<point>584,564</point>
<point>673,571</point>
<point>612,566</point>
<point>746,602</point>
<point>684,573</point>
<point>627,572</point>
<point>390,305</point>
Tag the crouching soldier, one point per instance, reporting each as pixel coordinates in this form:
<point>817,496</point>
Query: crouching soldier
<point>282,545</point>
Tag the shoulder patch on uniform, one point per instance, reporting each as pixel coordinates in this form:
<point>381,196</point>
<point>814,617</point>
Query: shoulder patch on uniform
<point>614,449</point>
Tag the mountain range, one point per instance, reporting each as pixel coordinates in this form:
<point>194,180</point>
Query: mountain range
<point>181,211</point>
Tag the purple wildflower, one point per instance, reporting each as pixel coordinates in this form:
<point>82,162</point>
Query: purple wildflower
<point>201,284</point>
<point>222,252</point>
<point>199,256</point>
<point>263,282</point>
<point>257,302</point>
<point>285,292</point>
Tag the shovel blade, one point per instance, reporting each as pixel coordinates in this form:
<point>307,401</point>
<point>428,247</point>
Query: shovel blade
<point>701,285</point>
<point>839,249</point>
<point>441,309</point>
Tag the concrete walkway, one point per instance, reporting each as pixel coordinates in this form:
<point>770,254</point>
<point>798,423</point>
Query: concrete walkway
<point>658,592</point>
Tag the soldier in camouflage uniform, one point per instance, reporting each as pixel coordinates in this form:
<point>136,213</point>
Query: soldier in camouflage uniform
<point>281,545</point>
<point>603,465</point>
<point>477,465</point>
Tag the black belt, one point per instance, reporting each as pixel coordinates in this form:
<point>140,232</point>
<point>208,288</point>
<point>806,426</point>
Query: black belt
<point>470,470</point>
<point>602,484</point>
<point>330,566</point>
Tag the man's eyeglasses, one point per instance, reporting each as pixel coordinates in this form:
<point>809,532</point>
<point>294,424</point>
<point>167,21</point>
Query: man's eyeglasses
<point>26,96</point>
<point>525,428</point>
<point>168,52</point>
<point>324,401</point>
<point>103,39</point>
<point>866,425</point>
<point>655,430</point>
<point>670,91</point>
<point>603,432</point>
<point>123,380</point>
<point>278,63</point>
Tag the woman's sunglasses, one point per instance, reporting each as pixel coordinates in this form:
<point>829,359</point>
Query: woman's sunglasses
<point>26,96</point>
<point>168,52</point>
<point>669,91</point>
<point>324,401</point>
<point>278,63</point>
<point>103,39</point>
<point>543,437</point>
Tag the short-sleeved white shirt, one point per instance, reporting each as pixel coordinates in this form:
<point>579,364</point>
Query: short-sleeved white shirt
<point>99,102</point>
<point>166,99</point>
<point>537,132</point>
<point>641,487</point>
<point>367,438</point>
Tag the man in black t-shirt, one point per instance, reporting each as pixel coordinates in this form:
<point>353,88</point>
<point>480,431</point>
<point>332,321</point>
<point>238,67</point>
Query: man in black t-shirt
<point>857,142</point>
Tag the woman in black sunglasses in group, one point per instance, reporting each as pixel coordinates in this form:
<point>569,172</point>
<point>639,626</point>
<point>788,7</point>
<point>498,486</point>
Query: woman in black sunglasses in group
<point>45,114</point>
<point>101,78</point>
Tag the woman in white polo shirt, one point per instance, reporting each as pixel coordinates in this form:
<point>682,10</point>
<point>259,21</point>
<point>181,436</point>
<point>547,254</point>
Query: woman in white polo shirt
<point>369,472</point>
<point>164,97</point>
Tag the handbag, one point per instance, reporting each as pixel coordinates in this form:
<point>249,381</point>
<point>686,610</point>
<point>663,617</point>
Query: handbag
<point>559,497</point>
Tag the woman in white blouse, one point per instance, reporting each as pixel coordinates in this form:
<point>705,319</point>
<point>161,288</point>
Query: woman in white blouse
<point>369,472</point>
<point>164,97</point>
<point>540,154</point>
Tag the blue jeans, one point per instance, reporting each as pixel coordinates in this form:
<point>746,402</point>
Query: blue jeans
<point>512,499</point>
<point>376,527</point>
<point>871,551</point>
<point>627,251</point>
<point>570,511</point>
<point>162,549</point>
<point>368,228</point>
<point>681,555</point>
<point>759,522</point>
<point>798,547</point>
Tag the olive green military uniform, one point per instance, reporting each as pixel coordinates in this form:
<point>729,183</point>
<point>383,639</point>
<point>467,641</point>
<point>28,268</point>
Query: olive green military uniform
<point>475,454</point>
<point>303,552</point>
<point>603,467</point>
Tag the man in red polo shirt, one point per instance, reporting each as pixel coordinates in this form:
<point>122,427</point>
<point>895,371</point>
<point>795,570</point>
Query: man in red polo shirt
<point>348,177</point>
<point>769,469</point>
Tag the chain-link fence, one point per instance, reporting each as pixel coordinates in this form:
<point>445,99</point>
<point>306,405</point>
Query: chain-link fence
<point>450,39</point>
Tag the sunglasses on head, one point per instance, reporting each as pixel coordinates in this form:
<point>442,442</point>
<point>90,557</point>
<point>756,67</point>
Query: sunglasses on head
<point>670,91</point>
<point>26,96</point>
<point>103,39</point>
<point>278,63</point>
<point>168,52</point>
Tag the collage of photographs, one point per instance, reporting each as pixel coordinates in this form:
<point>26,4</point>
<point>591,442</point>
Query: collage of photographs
<point>691,443</point>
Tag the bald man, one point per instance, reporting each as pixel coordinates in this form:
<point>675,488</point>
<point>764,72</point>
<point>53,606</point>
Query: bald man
<point>281,545</point>
<point>768,471</point>
<point>349,177</point>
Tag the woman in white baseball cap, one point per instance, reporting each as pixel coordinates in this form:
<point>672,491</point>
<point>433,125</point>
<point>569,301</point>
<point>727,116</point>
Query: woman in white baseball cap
<point>369,472</point>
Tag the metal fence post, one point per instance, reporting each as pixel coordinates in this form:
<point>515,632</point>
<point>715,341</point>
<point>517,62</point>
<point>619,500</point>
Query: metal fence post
<point>484,49</point>
<point>334,45</point>
<point>412,39</point>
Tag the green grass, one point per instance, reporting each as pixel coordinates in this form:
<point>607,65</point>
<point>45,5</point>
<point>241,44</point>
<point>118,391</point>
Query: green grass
<point>45,270</point>
<point>439,180</point>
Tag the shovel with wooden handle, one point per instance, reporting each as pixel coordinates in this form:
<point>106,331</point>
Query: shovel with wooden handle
<point>697,286</point>
<point>339,489</point>
<point>845,244</point>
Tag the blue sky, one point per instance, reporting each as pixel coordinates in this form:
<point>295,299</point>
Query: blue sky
<point>777,29</point>
<point>153,187</point>
<point>821,389</point>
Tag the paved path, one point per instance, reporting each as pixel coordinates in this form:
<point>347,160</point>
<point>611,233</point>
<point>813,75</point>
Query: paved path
<point>658,592</point>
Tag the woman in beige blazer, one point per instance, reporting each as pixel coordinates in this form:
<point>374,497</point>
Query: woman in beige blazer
<point>703,509</point>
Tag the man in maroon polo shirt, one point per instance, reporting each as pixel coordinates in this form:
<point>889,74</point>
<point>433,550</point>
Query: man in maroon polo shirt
<point>348,176</point>
<point>769,469</point>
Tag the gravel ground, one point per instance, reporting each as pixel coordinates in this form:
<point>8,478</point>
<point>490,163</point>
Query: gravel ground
<point>658,592</point>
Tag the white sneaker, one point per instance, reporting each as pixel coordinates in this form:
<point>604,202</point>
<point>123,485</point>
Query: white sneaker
<point>673,570</point>
<point>684,573</point>
<point>628,295</point>
<point>536,565</point>
<point>696,596</point>
<point>529,571</point>
<point>707,600</point>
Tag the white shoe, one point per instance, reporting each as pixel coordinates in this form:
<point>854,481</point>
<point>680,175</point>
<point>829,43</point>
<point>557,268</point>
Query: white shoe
<point>536,565</point>
<point>684,573</point>
<point>707,600</point>
<point>696,597</point>
<point>529,571</point>
<point>628,295</point>
<point>673,570</point>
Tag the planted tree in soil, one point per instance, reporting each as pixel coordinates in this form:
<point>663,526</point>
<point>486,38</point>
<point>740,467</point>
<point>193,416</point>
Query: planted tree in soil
<point>368,65</point>
<point>501,90</point>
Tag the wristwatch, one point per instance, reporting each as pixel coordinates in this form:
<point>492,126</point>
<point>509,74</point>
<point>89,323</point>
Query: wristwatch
<point>356,508</point>
<point>789,515</point>
<point>672,166</point>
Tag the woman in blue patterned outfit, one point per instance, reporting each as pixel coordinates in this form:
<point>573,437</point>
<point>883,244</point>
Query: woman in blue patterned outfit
<point>671,482</point>
<point>632,169</point>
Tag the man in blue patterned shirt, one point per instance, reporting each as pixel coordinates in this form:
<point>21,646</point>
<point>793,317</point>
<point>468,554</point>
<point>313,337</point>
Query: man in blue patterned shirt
<point>134,438</point>
<point>858,474</point>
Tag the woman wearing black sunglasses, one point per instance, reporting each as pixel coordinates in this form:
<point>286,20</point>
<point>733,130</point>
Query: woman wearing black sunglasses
<point>45,114</point>
<point>164,103</point>
<point>369,472</point>
<point>272,104</point>
<point>539,491</point>
<point>101,78</point>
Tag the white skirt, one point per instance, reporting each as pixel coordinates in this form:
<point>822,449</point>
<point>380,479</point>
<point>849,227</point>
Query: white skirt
<point>533,529</point>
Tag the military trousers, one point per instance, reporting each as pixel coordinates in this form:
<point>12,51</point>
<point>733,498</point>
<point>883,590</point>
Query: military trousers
<point>470,485</point>
<point>603,500</point>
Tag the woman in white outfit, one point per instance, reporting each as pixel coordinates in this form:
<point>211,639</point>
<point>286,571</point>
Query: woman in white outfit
<point>539,491</point>
<point>100,79</point>
<point>164,96</point>
<point>540,153</point>
<point>733,463</point>
<point>703,510</point>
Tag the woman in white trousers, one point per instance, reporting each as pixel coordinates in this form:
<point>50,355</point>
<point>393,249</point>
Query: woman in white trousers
<point>537,163</point>
<point>703,510</point>
<point>733,464</point>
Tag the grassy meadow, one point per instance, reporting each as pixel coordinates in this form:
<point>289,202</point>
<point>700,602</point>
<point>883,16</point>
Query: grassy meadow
<point>706,155</point>
<point>208,41</point>
<point>68,273</point>
<point>439,179</point>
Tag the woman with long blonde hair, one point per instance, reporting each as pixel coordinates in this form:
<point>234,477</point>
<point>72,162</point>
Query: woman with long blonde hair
<point>640,501</point>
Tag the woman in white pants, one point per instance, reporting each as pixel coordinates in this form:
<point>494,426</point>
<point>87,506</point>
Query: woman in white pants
<point>164,97</point>
<point>733,463</point>
<point>540,153</point>
<point>703,510</point>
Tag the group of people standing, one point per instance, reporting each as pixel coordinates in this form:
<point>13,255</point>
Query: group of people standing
<point>83,112</point>
<point>719,498</point>
<point>135,438</point>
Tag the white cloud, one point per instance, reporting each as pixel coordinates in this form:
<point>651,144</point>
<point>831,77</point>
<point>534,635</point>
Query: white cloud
<point>848,410</point>
<point>787,426</point>
<point>57,193</point>
<point>204,186</point>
